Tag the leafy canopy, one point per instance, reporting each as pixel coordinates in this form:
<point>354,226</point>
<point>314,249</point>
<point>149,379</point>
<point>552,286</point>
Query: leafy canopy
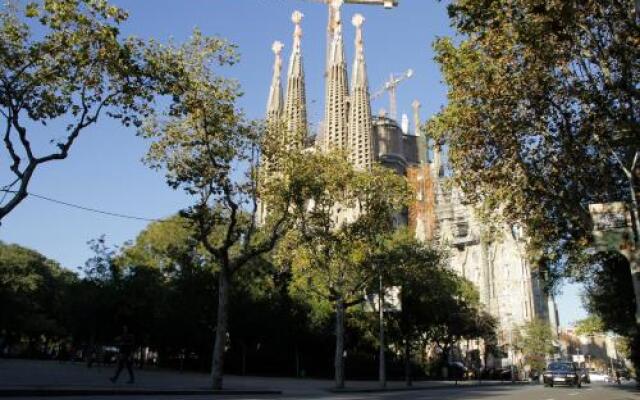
<point>63,64</point>
<point>543,110</point>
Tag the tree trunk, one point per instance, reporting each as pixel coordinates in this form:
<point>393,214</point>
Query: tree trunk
<point>244,358</point>
<point>297,356</point>
<point>339,356</point>
<point>634,256</point>
<point>217,363</point>
<point>382,373</point>
<point>407,362</point>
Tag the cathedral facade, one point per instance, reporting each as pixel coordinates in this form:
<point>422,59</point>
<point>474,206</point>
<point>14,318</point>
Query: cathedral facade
<point>491,257</point>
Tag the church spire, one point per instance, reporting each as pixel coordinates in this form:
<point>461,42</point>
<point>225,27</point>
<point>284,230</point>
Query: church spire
<point>360,143</point>
<point>295,110</point>
<point>337,87</point>
<point>423,149</point>
<point>273,135</point>
<point>274,104</point>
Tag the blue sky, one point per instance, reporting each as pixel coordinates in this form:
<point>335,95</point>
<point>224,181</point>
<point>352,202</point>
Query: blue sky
<point>104,169</point>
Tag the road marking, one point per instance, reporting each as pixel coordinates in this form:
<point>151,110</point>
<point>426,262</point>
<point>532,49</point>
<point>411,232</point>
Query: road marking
<point>574,394</point>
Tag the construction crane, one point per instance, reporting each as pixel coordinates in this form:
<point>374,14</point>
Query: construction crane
<point>385,3</point>
<point>391,86</point>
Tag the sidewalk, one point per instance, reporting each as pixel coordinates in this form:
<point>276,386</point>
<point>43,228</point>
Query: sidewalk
<point>29,377</point>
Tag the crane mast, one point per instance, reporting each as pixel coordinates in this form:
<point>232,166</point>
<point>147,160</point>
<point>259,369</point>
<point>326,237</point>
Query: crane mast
<point>391,87</point>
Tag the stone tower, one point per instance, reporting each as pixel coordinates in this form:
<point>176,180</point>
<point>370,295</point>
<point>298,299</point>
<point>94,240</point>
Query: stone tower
<point>360,143</point>
<point>273,138</point>
<point>422,139</point>
<point>337,88</point>
<point>295,110</point>
<point>275,101</point>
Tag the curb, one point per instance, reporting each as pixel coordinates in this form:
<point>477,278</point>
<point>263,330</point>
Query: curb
<point>416,388</point>
<point>58,392</point>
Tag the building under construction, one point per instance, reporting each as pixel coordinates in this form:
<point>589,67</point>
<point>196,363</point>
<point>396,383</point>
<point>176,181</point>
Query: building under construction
<point>493,258</point>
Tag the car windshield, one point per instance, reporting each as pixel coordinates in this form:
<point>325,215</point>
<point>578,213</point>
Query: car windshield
<point>560,367</point>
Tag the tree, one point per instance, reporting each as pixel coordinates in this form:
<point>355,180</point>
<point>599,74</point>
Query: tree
<point>33,291</point>
<point>590,326</point>
<point>609,292</point>
<point>543,113</point>
<point>209,150</point>
<point>536,343</point>
<point>63,65</point>
<point>609,297</point>
<point>459,316</point>
<point>170,284</point>
<point>418,270</point>
<point>332,249</point>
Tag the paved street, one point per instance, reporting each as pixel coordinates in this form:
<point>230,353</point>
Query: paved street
<point>24,374</point>
<point>535,392</point>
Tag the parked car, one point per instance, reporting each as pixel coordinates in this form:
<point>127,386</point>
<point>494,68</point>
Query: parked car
<point>457,370</point>
<point>562,373</point>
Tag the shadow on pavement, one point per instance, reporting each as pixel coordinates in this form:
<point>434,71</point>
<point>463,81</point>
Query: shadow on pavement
<point>629,387</point>
<point>452,393</point>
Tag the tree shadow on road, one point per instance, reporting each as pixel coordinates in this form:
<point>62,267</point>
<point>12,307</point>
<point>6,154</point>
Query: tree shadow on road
<point>629,388</point>
<point>449,393</point>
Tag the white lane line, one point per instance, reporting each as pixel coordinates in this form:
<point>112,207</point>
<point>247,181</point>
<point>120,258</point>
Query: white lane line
<point>574,394</point>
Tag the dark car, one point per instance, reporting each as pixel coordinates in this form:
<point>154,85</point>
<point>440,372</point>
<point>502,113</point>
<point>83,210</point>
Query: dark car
<point>562,373</point>
<point>457,371</point>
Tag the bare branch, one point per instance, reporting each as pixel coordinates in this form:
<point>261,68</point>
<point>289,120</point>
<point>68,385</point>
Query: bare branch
<point>15,166</point>
<point>268,244</point>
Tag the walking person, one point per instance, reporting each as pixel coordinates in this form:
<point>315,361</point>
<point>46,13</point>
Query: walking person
<point>126,344</point>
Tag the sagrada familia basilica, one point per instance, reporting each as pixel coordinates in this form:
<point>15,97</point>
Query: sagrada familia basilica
<point>492,258</point>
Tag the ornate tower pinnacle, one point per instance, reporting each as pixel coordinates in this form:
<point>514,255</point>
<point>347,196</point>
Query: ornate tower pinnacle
<point>422,139</point>
<point>333,7</point>
<point>273,137</point>
<point>360,143</point>
<point>274,104</point>
<point>295,110</point>
<point>337,87</point>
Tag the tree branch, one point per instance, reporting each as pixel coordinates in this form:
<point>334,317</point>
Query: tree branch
<point>15,166</point>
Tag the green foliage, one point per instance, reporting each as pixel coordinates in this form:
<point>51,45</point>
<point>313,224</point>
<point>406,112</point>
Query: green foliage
<point>341,219</point>
<point>589,326</point>
<point>63,65</point>
<point>32,290</point>
<point>206,147</point>
<point>609,297</point>
<point>349,212</point>
<point>169,287</point>
<point>166,245</point>
<point>543,110</point>
<point>437,305</point>
<point>535,341</point>
<point>608,292</point>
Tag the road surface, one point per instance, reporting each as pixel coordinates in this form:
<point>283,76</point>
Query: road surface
<point>596,391</point>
